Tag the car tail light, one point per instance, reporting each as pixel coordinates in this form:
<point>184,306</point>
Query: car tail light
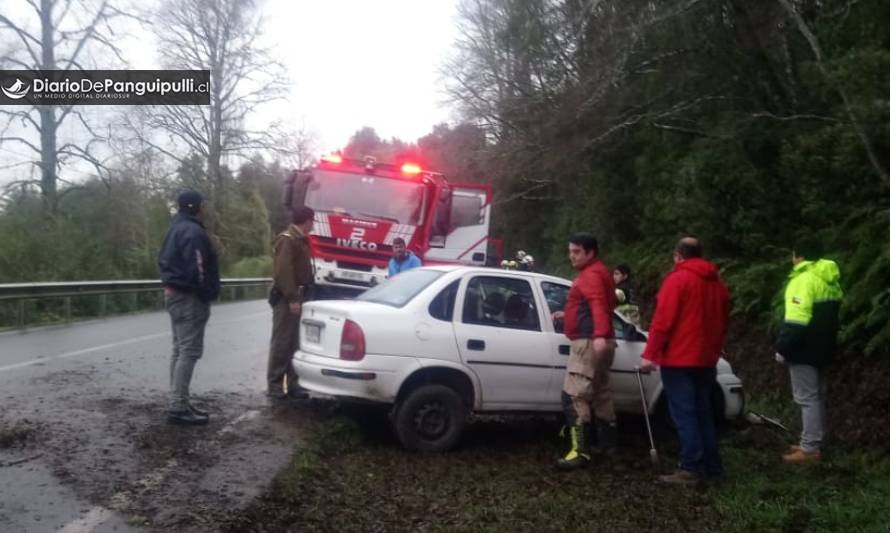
<point>352,342</point>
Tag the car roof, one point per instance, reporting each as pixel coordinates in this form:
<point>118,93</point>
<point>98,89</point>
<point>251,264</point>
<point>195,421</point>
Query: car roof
<point>469,269</point>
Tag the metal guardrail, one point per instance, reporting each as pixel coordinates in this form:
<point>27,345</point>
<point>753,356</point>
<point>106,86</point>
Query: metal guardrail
<point>65,291</point>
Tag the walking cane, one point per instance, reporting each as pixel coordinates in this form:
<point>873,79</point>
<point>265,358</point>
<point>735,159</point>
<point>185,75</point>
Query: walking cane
<point>653,454</point>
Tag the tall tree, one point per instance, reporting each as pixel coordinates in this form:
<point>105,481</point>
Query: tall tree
<point>220,36</point>
<point>57,35</point>
<point>747,123</point>
<point>457,152</point>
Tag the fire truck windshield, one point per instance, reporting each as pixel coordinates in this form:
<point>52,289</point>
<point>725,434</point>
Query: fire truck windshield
<point>363,195</point>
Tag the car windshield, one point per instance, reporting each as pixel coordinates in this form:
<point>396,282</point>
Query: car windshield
<point>362,195</point>
<point>400,289</point>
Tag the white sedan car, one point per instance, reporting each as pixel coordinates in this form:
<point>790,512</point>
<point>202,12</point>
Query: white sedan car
<point>438,343</point>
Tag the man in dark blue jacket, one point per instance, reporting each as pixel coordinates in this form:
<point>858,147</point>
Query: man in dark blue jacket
<point>190,275</point>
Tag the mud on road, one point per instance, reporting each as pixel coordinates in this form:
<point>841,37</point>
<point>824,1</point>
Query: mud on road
<point>113,461</point>
<point>261,467</point>
<point>351,475</point>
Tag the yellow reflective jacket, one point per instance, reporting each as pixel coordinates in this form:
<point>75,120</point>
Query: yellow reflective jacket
<point>812,308</point>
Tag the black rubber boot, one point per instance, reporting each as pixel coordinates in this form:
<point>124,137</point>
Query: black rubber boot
<point>198,411</point>
<point>607,434</point>
<point>590,438</point>
<point>186,418</point>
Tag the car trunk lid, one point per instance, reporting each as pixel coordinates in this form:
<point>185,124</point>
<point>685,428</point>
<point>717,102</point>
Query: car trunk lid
<point>321,325</point>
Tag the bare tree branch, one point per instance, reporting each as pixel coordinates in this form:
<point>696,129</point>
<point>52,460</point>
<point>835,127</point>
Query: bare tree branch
<point>219,36</point>
<point>26,38</point>
<point>803,116</point>
<point>34,5</point>
<point>520,195</point>
<point>9,166</point>
<point>687,131</point>
<point>61,49</point>
<point>24,116</point>
<point>16,62</point>
<point>61,15</point>
<point>864,139</point>
<point>26,142</point>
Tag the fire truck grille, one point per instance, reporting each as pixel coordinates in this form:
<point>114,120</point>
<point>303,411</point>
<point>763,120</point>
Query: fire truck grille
<point>354,266</point>
<point>379,257</point>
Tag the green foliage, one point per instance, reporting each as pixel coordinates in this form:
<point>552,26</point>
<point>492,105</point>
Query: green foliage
<point>845,493</point>
<point>114,229</point>
<point>100,233</point>
<point>866,307</point>
<point>251,267</point>
<point>326,442</point>
<point>646,123</point>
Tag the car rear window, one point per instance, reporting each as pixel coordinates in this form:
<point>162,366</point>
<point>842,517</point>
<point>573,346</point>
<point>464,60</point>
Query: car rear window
<point>402,288</point>
<point>442,306</point>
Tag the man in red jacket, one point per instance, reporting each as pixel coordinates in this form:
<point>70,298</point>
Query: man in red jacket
<point>685,340</point>
<point>587,390</point>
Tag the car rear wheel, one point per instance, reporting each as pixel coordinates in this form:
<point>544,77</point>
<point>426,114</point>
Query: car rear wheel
<point>431,418</point>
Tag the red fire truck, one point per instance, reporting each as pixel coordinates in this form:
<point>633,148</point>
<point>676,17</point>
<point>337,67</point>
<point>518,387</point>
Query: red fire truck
<point>362,205</point>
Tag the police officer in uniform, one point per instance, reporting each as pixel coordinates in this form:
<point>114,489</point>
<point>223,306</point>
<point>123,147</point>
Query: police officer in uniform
<point>293,278</point>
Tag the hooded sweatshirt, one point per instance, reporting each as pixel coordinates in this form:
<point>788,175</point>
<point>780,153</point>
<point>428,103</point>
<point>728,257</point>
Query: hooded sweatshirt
<point>691,316</point>
<point>812,308</point>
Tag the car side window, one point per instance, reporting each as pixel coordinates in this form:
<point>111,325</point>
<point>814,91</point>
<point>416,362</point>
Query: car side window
<point>626,331</point>
<point>555,295</point>
<point>619,326</point>
<point>442,306</point>
<point>500,302</point>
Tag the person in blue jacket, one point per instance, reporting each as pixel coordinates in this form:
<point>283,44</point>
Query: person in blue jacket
<point>190,275</point>
<point>402,258</point>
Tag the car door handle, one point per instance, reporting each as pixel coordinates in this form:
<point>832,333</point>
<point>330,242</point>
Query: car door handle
<point>476,344</point>
<point>565,349</point>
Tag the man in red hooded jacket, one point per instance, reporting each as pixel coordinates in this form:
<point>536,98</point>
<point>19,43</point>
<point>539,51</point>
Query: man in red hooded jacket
<point>587,389</point>
<point>685,339</point>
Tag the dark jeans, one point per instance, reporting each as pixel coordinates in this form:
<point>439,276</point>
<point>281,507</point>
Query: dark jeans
<point>689,398</point>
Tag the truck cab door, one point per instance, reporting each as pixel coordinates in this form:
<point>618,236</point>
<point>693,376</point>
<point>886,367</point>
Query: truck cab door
<point>441,219</point>
<point>468,220</point>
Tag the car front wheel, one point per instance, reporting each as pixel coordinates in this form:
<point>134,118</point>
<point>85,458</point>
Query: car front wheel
<point>430,418</point>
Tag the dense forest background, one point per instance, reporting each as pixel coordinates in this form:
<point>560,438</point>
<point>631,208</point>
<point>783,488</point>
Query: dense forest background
<point>748,123</point>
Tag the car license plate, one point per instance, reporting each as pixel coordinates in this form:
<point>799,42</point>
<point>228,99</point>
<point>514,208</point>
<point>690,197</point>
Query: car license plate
<point>357,276</point>
<point>313,333</point>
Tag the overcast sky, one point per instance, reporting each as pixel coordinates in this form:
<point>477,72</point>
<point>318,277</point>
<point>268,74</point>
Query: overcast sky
<point>351,63</point>
<point>361,63</point>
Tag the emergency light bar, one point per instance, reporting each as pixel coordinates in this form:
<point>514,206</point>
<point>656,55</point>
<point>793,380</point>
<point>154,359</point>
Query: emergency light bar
<point>411,169</point>
<point>370,164</point>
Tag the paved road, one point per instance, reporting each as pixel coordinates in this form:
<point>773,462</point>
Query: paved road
<point>101,456</point>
